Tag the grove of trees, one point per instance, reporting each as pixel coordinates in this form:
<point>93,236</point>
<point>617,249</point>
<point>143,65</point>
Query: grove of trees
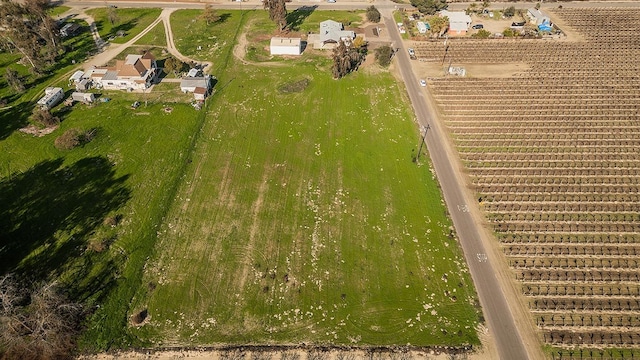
<point>29,30</point>
<point>347,58</point>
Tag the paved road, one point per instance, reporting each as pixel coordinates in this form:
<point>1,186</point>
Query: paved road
<point>500,319</point>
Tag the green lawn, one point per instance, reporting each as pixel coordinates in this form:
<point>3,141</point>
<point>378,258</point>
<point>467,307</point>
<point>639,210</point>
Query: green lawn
<point>213,42</point>
<point>131,21</point>
<point>155,37</point>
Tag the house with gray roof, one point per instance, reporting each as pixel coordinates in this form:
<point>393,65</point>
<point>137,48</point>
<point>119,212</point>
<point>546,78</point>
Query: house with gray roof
<point>331,32</point>
<point>198,85</point>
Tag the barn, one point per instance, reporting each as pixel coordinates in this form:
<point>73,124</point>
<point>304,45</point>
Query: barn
<point>286,46</point>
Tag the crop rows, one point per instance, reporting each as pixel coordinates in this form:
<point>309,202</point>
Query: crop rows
<point>553,154</point>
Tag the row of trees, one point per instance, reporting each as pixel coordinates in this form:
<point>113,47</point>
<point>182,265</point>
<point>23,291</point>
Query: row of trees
<point>29,30</point>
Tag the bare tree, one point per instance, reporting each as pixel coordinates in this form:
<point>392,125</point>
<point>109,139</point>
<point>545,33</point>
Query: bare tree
<point>277,12</point>
<point>112,15</point>
<point>13,79</point>
<point>41,324</point>
<point>209,15</point>
<point>28,29</point>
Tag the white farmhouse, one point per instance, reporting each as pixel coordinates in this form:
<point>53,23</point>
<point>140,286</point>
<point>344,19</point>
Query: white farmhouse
<point>136,72</point>
<point>52,96</point>
<point>285,46</point>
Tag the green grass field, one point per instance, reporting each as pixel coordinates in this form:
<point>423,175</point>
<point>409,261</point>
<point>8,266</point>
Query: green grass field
<point>131,21</point>
<point>304,219</point>
<point>267,217</point>
<point>155,37</point>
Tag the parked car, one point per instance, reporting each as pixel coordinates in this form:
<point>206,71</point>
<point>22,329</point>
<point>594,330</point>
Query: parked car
<point>331,1</point>
<point>412,53</point>
<point>135,105</point>
<point>423,82</point>
<point>478,26</point>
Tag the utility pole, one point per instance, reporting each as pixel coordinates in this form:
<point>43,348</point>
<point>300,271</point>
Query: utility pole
<point>424,135</point>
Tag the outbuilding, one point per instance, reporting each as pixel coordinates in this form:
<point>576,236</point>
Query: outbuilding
<point>537,17</point>
<point>286,46</point>
<point>76,77</point>
<point>86,98</point>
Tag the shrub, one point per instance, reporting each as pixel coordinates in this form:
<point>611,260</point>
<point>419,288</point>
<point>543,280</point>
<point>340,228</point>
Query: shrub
<point>509,12</point>
<point>508,32</point>
<point>73,138</point>
<point>482,34</point>
<point>373,14</point>
<point>383,55</point>
<point>69,140</point>
<point>45,118</point>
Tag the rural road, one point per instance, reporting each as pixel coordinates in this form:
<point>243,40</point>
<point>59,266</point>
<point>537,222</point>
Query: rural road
<point>513,341</point>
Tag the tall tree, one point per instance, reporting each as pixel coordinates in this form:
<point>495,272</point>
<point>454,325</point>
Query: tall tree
<point>277,12</point>
<point>209,15</point>
<point>112,15</point>
<point>429,7</point>
<point>37,324</point>
<point>13,79</point>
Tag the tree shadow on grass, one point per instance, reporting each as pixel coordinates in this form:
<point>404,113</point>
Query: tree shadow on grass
<point>14,118</point>
<point>222,18</point>
<point>297,17</point>
<point>48,212</point>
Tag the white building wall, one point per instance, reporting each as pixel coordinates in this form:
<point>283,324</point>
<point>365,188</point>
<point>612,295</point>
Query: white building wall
<point>285,50</point>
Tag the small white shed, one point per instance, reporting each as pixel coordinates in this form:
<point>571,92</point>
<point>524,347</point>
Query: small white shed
<point>86,98</point>
<point>286,46</point>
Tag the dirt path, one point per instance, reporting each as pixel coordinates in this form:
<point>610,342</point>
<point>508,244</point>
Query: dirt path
<point>171,45</point>
<point>113,50</point>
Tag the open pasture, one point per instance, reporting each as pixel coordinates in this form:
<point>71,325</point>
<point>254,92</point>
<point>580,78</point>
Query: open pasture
<point>553,154</point>
<point>302,219</point>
